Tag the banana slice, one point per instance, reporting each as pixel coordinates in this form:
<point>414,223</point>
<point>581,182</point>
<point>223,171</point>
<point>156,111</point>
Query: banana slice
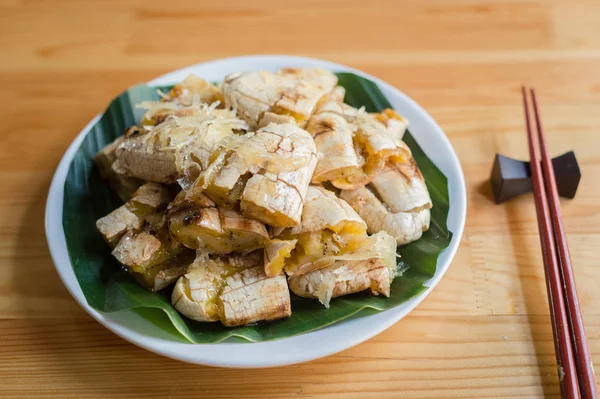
<point>329,227</point>
<point>147,204</point>
<point>194,90</point>
<point>138,235</point>
<point>119,181</point>
<point>233,290</point>
<point>152,259</point>
<point>114,225</point>
<point>396,201</point>
<point>198,223</point>
<point>276,252</point>
<point>267,172</point>
<point>184,99</point>
<point>179,147</point>
<point>332,254</point>
<point>293,92</point>
<point>352,145</point>
<point>343,278</point>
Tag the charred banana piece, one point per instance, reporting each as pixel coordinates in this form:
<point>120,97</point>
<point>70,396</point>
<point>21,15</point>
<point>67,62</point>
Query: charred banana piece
<point>396,201</point>
<point>177,148</point>
<point>118,180</point>
<point>197,222</point>
<point>329,253</point>
<point>137,234</point>
<point>233,290</point>
<point>352,145</point>
<point>289,92</point>
<point>266,172</point>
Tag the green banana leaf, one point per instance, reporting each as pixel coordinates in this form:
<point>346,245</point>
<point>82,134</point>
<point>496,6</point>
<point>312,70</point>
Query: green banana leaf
<point>108,288</point>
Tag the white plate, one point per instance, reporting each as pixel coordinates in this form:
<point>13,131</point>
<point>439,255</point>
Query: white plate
<point>313,345</point>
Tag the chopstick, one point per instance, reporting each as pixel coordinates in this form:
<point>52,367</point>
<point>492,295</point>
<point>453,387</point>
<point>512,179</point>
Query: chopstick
<point>560,324</point>
<point>583,359</point>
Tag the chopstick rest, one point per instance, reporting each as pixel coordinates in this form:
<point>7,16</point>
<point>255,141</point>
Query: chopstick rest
<point>512,177</point>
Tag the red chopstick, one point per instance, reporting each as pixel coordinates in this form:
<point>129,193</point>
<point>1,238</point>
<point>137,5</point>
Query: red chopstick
<point>560,324</point>
<point>583,359</point>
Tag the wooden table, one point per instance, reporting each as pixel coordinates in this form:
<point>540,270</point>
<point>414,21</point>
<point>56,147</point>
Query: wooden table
<point>484,331</point>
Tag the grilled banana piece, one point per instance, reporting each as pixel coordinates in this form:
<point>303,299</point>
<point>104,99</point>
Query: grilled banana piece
<point>352,145</point>
<point>329,227</point>
<point>152,259</point>
<point>331,254</point>
<point>251,296</point>
<point>233,290</point>
<point>194,90</point>
<point>138,235</point>
<point>396,201</point>
<point>120,182</point>
<point>198,223</point>
<point>147,204</point>
<point>184,99</point>
<point>343,277</point>
<point>179,147</point>
<point>395,124</point>
<point>114,225</point>
<point>267,172</point>
<point>333,135</point>
<point>270,117</point>
<point>323,210</point>
<point>276,252</point>
<point>292,92</point>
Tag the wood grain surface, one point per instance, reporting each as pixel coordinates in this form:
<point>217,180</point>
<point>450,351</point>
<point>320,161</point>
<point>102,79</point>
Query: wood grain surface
<point>484,332</point>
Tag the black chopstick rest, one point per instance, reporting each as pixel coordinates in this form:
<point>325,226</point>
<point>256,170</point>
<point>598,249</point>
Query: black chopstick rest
<point>511,177</point>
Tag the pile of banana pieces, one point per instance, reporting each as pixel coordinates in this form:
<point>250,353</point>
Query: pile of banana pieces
<point>268,182</point>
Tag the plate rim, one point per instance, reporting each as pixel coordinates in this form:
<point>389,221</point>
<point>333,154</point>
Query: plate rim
<point>299,348</point>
